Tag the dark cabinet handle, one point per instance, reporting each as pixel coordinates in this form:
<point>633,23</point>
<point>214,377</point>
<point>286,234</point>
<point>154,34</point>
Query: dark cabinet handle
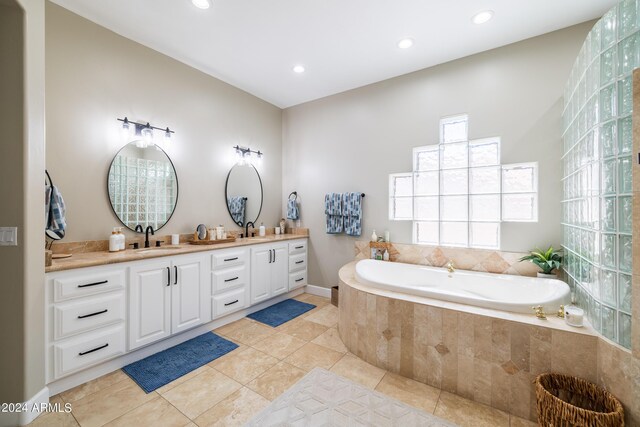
<point>299,262</point>
<point>93,284</point>
<point>300,279</point>
<point>269,256</point>
<point>92,314</point>
<point>231,303</point>
<point>82,353</point>
<point>168,276</point>
<point>299,247</point>
<point>175,280</point>
<point>231,259</point>
<point>274,255</point>
<point>231,280</point>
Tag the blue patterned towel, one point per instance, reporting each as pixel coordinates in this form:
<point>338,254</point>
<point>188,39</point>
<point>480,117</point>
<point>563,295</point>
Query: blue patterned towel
<point>292,209</point>
<point>333,211</point>
<point>237,206</point>
<point>56,210</point>
<point>352,213</point>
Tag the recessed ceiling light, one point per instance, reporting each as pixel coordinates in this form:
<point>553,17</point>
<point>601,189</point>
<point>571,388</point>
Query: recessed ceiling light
<point>201,4</point>
<point>405,43</point>
<point>482,17</point>
<point>298,69</point>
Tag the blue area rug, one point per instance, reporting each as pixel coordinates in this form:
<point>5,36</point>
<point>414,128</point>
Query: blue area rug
<point>161,368</point>
<point>281,312</point>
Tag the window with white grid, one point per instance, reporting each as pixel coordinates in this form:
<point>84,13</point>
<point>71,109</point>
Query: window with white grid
<point>458,192</point>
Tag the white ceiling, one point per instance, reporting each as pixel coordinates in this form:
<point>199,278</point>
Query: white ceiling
<point>343,44</point>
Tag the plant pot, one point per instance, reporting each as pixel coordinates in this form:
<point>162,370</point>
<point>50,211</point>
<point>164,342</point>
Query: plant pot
<point>547,276</point>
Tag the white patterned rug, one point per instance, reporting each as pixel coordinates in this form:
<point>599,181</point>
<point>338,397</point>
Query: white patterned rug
<point>323,398</point>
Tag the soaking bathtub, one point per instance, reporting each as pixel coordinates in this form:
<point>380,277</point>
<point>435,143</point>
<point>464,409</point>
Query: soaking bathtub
<point>495,291</point>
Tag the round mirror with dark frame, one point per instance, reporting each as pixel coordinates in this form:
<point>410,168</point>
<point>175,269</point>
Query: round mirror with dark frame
<point>243,194</point>
<point>143,186</point>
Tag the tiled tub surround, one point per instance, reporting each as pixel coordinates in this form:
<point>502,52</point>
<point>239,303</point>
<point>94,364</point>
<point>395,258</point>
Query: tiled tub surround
<point>484,260</point>
<point>484,355</point>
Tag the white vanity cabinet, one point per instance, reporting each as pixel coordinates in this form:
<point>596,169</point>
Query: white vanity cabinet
<point>111,315</point>
<point>297,264</point>
<point>85,318</point>
<point>269,271</point>
<point>166,296</point>
<point>230,282</point>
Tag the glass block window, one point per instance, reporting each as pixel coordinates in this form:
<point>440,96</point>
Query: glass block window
<point>597,185</point>
<point>458,192</point>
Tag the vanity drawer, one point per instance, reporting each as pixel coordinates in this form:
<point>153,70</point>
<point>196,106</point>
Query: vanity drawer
<point>89,283</point>
<point>229,278</point>
<point>297,279</point>
<point>89,313</point>
<point>297,262</point>
<point>229,302</point>
<point>88,349</point>
<point>224,259</point>
<point>298,247</point>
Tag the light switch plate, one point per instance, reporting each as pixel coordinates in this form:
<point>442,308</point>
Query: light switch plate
<point>8,236</point>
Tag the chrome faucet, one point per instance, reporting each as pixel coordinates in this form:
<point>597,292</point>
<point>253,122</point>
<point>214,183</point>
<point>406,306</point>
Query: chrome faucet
<point>450,267</point>
<point>146,235</point>
<point>246,228</point>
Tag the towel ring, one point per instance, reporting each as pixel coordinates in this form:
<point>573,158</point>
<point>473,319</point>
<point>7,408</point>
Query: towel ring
<point>295,194</point>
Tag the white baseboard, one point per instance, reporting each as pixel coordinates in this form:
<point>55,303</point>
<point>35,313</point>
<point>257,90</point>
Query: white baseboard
<point>104,368</point>
<point>320,291</point>
<point>31,409</point>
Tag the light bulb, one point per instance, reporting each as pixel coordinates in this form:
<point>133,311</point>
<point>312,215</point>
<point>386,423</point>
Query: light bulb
<point>258,159</point>
<point>147,133</point>
<point>125,131</point>
<point>299,69</point>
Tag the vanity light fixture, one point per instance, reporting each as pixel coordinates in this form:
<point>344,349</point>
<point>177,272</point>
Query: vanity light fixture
<point>144,131</point>
<point>405,43</point>
<point>482,17</point>
<point>244,155</point>
<point>201,4</point>
<point>299,69</point>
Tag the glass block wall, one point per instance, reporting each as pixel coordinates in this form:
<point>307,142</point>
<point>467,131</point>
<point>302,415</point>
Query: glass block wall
<point>597,203</point>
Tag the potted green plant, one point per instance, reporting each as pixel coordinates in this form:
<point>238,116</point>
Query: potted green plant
<point>548,261</point>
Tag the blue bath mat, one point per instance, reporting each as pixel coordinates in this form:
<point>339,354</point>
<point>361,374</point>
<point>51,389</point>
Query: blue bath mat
<point>161,368</point>
<point>281,312</point>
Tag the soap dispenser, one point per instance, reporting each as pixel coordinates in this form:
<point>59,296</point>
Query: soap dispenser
<point>263,230</point>
<point>114,241</point>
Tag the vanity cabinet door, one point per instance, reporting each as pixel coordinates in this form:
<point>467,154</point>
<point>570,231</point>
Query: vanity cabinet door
<point>149,303</point>
<point>260,274</point>
<point>187,299</point>
<point>280,270</point>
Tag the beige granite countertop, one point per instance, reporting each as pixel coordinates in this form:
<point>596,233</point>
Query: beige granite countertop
<point>91,259</point>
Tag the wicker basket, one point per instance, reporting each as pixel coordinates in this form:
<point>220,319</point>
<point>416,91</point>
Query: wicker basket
<point>565,401</point>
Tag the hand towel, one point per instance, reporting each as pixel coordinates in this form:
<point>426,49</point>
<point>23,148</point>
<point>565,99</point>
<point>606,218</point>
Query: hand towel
<point>292,209</point>
<point>352,213</point>
<point>56,222</point>
<point>333,212</point>
<point>237,207</point>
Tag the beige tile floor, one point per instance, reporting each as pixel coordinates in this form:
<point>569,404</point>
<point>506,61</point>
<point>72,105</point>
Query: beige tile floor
<point>232,389</point>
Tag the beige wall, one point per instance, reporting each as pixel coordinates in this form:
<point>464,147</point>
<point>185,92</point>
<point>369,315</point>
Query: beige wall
<point>94,76</point>
<point>21,186</point>
<point>11,193</point>
<point>352,141</point>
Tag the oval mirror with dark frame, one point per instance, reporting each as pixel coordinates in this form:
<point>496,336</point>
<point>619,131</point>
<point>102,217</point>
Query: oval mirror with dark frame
<point>143,186</point>
<point>243,194</point>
